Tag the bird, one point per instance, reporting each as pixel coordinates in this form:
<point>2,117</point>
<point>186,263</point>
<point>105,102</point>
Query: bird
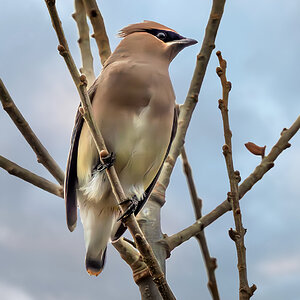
<point>133,104</point>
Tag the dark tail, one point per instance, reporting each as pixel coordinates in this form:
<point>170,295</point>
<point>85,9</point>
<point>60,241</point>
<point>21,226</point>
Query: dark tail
<point>94,266</point>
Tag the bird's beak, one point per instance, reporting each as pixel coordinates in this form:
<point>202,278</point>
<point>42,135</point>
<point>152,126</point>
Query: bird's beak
<point>177,45</point>
<point>182,43</point>
<point>187,42</point>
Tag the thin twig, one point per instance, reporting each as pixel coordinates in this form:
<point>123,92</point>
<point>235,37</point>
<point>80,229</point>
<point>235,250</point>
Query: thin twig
<point>210,262</point>
<point>191,100</point>
<point>237,235</point>
<point>80,82</point>
<point>99,29</point>
<point>41,152</point>
<point>14,169</point>
<point>84,42</point>
<point>266,164</point>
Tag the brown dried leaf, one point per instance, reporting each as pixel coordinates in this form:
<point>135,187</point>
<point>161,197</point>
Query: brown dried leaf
<point>256,150</point>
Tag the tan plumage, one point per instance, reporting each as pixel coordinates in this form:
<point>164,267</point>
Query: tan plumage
<point>134,106</point>
<point>140,27</point>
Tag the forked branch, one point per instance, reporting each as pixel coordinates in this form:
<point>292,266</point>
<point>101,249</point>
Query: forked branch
<point>266,164</point>
<point>132,258</point>
<point>84,42</point>
<point>99,34</point>
<point>44,184</point>
<point>41,152</point>
<point>210,262</point>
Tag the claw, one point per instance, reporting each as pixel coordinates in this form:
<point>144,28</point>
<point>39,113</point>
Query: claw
<point>107,162</point>
<point>133,203</point>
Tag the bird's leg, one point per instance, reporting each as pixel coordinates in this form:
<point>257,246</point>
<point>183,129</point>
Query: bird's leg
<point>133,203</point>
<point>107,162</point>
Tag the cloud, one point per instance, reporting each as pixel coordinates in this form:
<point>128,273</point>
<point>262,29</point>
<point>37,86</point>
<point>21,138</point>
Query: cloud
<point>287,265</point>
<point>11,292</point>
<point>261,55</point>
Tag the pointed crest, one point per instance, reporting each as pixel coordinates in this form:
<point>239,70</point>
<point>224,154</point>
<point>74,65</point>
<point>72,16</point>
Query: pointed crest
<point>144,26</point>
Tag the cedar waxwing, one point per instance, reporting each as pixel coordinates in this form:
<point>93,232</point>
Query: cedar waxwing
<point>133,103</point>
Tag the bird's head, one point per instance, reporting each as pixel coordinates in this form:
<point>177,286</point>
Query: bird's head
<point>154,39</point>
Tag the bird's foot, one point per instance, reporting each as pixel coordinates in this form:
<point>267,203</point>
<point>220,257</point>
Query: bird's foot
<point>108,161</point>
<point>133,203</point>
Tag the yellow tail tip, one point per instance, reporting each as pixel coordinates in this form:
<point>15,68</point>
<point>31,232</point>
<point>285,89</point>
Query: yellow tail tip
<point>93,273</point>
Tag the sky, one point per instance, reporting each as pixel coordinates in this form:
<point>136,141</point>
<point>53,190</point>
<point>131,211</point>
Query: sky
<point>41,259</point>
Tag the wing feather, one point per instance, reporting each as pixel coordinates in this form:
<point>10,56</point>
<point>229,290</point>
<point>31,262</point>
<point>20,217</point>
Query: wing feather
<point>148,191</point>
<point>71,170</point>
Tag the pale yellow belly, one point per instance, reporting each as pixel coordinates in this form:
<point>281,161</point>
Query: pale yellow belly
<point>140,143</point>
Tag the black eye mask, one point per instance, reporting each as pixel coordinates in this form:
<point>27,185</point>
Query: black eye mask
<point>164,35</point>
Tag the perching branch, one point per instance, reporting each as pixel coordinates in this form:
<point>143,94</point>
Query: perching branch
<point>237,235</point>
<point>30,177</point>
<point>80,82</point>
<point>84,42</point>
<point>132,258</point>
<point>266,164</point>
<point>42,154</point>
<point>99,34</point>
<point>210,262</point>
<point>140,270</point>
<point>191,100</point>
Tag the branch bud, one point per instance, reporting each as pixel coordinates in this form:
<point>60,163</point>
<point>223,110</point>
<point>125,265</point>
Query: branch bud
<point>283,130</point>
<point>83,79</point>
<point>213,262</point>
<point>233,234</point>
<point>228,86</point>
<point>219,71</point>
<point>237,176</point>
<point>81,110</point>
<point>221,103</point>
<point>61,49</point>
<point>225,149</point>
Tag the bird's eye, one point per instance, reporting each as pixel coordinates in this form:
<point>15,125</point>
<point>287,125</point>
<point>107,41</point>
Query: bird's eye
<point>161,35</point>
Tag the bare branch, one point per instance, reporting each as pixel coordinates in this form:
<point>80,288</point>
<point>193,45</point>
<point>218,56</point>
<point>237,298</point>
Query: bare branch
<point>132,243</point>
<point>84,42</point>
<point>210,262</point>
<point>99,29</point>
<point>132,258</point>
<point>80,82</point>
<point>191,100</point>
<point>196,201</point>
<point>41,152</point>
<point>14,169</point>
<point>237,235</point>
<point>266,164</point>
